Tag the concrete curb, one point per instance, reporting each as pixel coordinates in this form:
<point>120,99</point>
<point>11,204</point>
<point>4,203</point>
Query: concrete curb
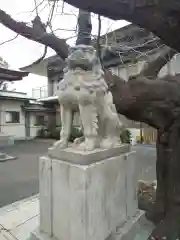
<point>14,205</point>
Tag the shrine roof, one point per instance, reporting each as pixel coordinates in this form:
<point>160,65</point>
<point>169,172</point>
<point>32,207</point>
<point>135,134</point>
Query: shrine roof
<point>12,75</point>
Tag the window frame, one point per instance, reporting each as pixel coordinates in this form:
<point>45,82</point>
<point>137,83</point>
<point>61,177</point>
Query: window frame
<point>13,118</point>
<point>39,123</point>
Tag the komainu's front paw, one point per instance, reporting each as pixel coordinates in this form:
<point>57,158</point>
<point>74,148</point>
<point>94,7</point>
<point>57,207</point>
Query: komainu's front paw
<point>110,142</point>
<point>79,140</point>
<point>88,145</point>
<point>62,144</point>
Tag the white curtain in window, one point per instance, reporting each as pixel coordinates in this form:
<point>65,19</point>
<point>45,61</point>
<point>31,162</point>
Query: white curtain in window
<point>8,117</point>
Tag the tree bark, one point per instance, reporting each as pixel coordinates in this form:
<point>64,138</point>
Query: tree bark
<point>152,69</point>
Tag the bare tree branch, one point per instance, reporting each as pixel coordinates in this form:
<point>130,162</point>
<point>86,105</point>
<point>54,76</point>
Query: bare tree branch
<point>143,100</point>
<point>36,7</point>
<point>152,69</point>
<point>163,20</point>
<point>58,45</point>
<point>9,40</point>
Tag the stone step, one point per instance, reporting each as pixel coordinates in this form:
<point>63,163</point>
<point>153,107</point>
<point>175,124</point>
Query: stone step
<point>145,229</point>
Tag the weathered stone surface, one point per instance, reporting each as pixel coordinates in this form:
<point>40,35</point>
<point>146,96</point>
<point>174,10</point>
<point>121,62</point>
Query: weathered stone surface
<point>137,228</point>
<point>73,155</point>
<point>86,202</point>
<point>45,186</point>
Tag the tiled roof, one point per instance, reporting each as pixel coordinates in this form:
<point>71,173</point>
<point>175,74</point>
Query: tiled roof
<point>48,99</point>
<point>11,75</point>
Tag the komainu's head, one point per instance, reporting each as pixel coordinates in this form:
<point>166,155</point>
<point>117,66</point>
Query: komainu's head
<point>83,57</point>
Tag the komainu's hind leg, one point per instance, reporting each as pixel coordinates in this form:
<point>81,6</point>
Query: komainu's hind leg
<point>66,121</point>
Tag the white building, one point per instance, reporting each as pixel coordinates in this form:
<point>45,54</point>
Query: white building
<point>20,116</point>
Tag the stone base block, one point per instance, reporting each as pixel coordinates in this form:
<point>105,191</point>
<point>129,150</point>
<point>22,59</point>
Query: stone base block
<point>75,156</point>
<point>127,231</point>
<point>85,202</point>
<point>4,157</point>
<point>6,140</point>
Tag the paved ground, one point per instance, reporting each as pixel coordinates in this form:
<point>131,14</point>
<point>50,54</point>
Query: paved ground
<point>20,219</point>
<point>146,158</point>
<point>19,178</point>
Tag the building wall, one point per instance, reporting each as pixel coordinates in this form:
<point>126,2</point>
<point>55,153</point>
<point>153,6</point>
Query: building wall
<point>149,135</point>
<point>33,127</point>
<point>55,87</point>
<point>17,130</point>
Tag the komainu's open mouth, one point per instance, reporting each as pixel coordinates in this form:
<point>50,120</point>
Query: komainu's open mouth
<point>82,66</point>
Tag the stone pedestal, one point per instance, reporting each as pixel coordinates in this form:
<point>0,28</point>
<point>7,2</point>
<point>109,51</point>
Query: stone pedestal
<point>86,195</point>
<point>6,140</point>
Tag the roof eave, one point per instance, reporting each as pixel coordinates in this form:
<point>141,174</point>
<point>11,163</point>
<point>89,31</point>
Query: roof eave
<point>12,75</point>
<point>16,98</point>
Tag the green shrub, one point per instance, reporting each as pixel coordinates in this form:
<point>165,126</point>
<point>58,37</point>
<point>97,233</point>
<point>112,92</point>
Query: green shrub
<point>75,133</point>
<point>55,133</point>
<point>40,133</point>
<point>125,136</point>
<point>43,133</point>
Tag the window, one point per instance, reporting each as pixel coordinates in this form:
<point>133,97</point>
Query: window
<point>40,120</point>
<point>12,117</point>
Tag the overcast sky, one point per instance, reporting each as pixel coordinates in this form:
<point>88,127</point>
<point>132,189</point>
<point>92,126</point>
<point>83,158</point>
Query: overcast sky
<point>21,52</point>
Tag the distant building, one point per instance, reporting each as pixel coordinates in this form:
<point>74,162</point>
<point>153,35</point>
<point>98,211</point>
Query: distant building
<point>20,115</point>
<point>13,120</point>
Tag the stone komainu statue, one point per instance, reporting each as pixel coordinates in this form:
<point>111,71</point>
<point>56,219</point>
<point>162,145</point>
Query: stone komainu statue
<point>85,89</point>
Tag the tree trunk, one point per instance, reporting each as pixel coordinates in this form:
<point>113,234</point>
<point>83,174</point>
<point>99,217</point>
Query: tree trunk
<point>160,173</point>
<point>157,103</point>
<point>156,211</point>
<point>168,179</point>
<point>173,166</point>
